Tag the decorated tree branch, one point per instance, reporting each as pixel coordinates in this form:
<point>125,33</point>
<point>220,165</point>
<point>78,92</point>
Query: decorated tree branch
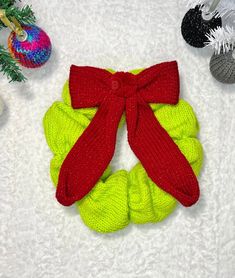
<point>28,45</point>
<point>24,15</point>
<point>210,23</point>
<point>9,66</point>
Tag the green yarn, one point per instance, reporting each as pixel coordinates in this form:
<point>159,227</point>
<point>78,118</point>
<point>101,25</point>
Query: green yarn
<point>121,197</point>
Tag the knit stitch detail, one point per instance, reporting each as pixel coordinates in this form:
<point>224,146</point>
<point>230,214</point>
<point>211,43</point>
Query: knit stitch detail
<point>115,94</point>
<point>120,198</point>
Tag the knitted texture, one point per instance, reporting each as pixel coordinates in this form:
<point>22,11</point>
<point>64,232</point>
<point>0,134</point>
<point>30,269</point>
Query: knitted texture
<point>34,51</point>
<point>120,198</point>
<point>115,94</point>
<point>222,67</point>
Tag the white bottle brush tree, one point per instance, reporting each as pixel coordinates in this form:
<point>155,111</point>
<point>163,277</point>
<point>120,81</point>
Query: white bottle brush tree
<point>221,39</point>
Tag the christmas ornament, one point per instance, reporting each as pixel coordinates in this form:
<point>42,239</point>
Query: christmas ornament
<point>220,39</point>
<point>222,67</point>
<point>80,168</point>
<point>28,44</point>
<point>222,63</point>
<point>9,12</point>
<point>33,50</point>
<point>197,23</point>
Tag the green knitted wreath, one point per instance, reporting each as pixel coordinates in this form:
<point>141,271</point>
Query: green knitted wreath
<point>121,197</point>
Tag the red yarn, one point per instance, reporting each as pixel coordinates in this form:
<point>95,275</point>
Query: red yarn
<point>93,151</point>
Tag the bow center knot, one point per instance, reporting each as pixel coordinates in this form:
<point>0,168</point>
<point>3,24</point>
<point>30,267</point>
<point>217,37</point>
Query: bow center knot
<point>123,84</point>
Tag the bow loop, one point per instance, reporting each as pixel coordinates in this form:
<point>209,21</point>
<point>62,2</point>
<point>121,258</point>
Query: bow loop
<point>88,86</point>
<point>160,83</point>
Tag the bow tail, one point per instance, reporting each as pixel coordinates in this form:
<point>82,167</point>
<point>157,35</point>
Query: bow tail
<point>160,156</point>
<point>91,154</point>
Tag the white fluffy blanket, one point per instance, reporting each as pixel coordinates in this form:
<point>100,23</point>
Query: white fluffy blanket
<point>41,239</point>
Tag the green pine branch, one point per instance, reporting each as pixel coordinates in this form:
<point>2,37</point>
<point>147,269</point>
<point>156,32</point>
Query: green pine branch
<point>9,66</point>
<point>4,4</point>
<point>24,15</point>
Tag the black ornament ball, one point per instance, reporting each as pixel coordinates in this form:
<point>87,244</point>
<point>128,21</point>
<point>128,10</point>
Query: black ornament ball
<point>194,27</point>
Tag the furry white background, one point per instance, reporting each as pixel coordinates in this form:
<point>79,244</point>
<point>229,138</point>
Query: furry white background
<point>41,239</point>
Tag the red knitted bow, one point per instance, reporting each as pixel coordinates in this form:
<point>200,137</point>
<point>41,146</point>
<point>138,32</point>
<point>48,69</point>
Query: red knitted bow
<point>93,151</point>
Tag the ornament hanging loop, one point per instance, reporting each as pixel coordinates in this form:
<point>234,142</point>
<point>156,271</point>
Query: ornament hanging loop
<point>14,25</point>
<point>214,5</point>
<point>208,13</point>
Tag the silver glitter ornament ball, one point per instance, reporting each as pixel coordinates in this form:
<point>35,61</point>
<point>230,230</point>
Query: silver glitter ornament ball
<point>222,67</point>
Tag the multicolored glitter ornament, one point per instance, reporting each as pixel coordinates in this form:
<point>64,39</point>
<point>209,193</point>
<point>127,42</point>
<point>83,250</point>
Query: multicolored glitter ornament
<point>32,49</point>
